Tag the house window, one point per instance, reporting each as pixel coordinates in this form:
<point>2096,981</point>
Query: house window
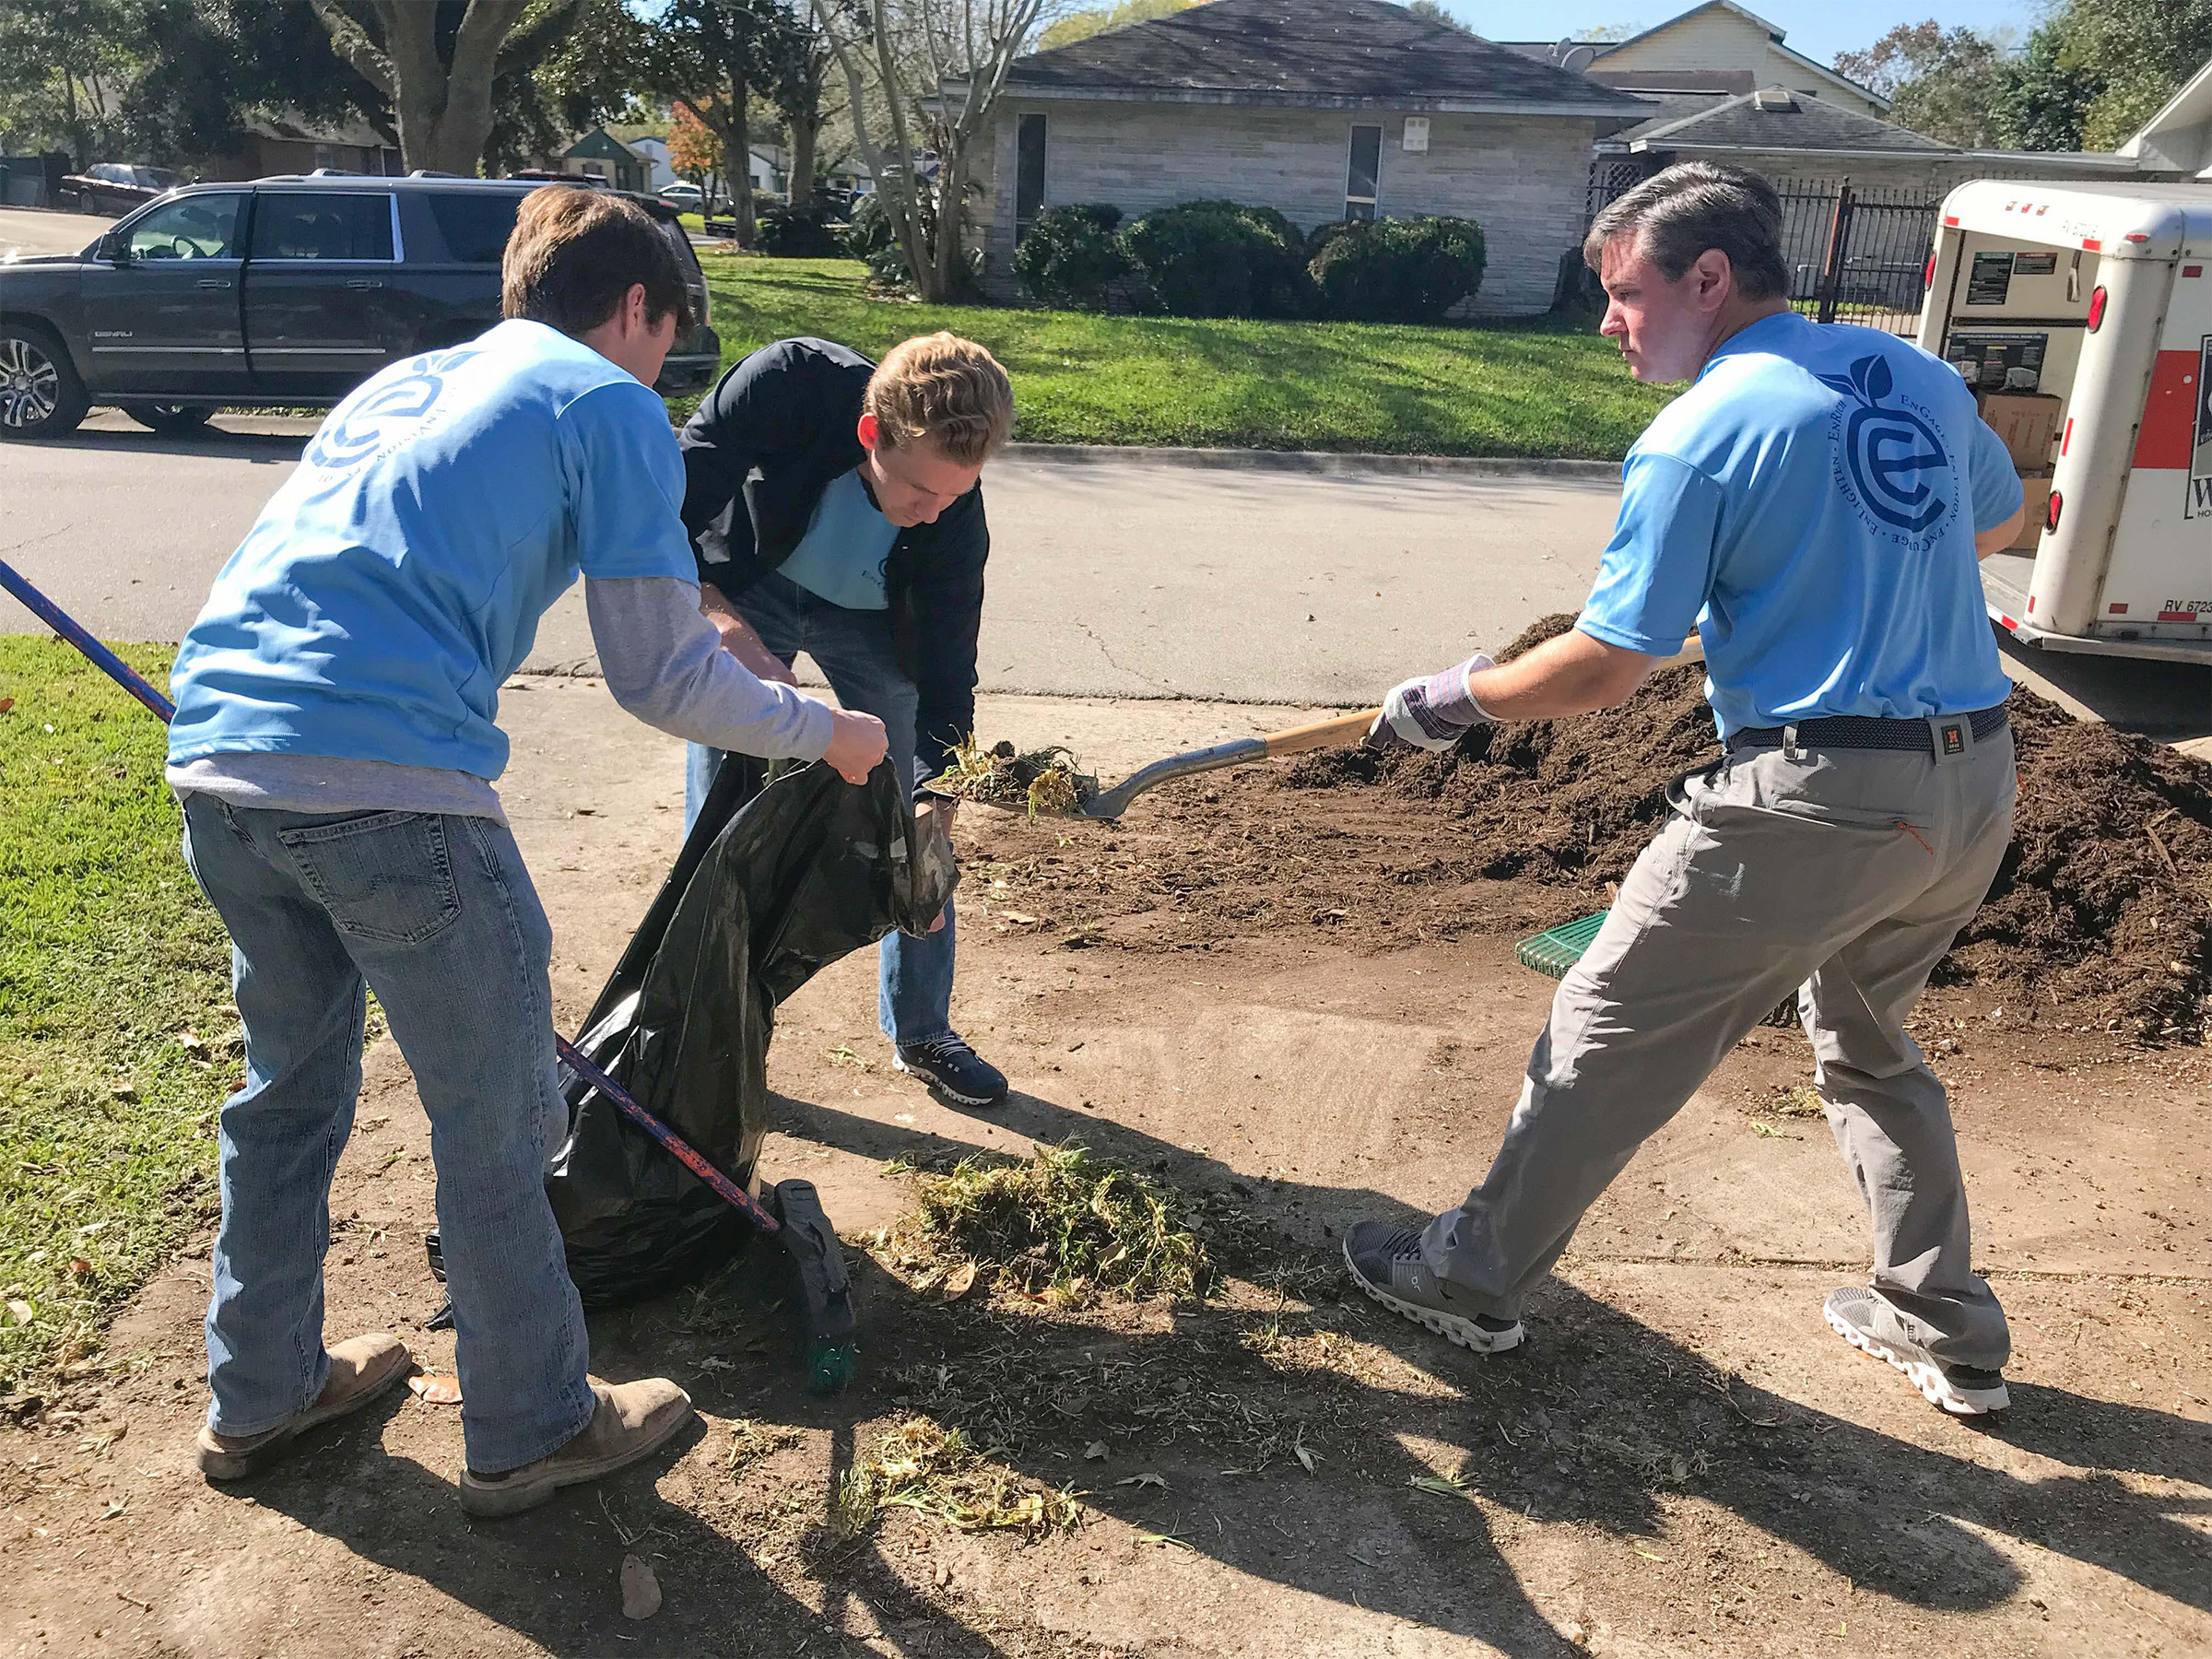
<point>1363,173</point>
<point>1029,172</point>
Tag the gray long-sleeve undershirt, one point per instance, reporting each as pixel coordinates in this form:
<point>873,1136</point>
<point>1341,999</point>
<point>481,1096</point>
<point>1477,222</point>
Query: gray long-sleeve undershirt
<point>663,662</point>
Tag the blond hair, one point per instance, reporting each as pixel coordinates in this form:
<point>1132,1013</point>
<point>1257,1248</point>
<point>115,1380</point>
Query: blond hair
<point>946,389</point>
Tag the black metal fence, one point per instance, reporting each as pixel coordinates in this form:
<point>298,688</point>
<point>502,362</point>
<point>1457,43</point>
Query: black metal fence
<point>1856,255</point>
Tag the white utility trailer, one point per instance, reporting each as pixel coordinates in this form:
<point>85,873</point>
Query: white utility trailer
<point>2099,297</point>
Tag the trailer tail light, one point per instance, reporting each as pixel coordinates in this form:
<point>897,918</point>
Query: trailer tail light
<point>1927,276</point>
<point>2097,308</point>
<point>2052,512</point>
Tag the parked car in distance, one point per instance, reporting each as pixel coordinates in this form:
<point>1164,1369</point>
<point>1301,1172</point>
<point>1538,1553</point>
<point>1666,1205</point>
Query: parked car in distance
<point>116,187</point>
<point>683,196</point>
<point>283,292</point>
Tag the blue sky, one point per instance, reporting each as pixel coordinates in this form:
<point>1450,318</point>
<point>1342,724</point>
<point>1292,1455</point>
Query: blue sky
<point>1819,28</point>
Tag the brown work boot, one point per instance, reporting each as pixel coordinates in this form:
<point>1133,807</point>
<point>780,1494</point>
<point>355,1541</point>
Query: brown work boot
<point>359,1370</point>
<point>633,1419</point>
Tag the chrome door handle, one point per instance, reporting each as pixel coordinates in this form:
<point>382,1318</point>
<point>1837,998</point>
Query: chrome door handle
<point>362,285</point>
<point>215,282</point>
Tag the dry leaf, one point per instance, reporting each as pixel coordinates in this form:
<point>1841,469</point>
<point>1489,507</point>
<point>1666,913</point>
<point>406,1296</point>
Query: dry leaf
<point>20,1311</point>
<point>1149,1478</point>
<point>1096,1450</point>
<point>435,1390</point>
<point>189,1041</point>
<point>6,703</point>
<point>640,1590</point>
<point>959,1281</point>
<point>1305,1457</point>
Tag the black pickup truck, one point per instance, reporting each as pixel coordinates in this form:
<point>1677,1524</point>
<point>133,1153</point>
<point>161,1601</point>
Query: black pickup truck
<point>282,292</point>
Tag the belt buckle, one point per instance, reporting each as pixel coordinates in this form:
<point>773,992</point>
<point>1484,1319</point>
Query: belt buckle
<point>1951,737</point>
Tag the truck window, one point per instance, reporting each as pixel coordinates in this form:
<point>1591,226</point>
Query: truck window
<point>476,223</point>
<point>336,225</point>
<point>200,226</point>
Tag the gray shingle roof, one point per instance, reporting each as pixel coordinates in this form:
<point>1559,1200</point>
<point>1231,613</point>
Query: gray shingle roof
<point>1805,123</point>
<point>1307,51</point>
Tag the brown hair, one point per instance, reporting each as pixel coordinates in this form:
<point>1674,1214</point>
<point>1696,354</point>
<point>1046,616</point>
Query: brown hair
<point>1692,206</point>
<point>946,389</point>
<point>575,253</point>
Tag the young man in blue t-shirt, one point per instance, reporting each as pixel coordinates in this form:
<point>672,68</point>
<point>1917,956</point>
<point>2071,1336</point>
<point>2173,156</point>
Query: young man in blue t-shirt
<point>334,747</point>
<point>1816,505</point>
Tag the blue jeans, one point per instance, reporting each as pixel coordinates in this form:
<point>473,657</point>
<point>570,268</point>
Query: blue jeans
<point>437,915</point>
<point>853,648</point>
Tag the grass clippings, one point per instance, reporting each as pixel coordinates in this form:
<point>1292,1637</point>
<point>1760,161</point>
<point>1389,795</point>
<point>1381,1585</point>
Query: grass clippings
<point>117,1037</point>
<point>1045,780</point>
<point>923,1466</point>
<point>1062,1223</point>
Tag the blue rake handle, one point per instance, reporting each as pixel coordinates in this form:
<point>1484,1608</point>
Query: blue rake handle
<point>123,674</point>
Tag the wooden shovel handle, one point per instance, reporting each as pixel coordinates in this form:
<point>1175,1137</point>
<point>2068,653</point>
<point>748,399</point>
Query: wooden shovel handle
<point>1323,733</point>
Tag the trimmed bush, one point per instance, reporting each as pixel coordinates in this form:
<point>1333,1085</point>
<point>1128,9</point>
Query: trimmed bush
<point>1072,258</point>
<point>1327,231</point>
<point>1399,270</point>
<point>1221,259</point>
<point>798,232</point>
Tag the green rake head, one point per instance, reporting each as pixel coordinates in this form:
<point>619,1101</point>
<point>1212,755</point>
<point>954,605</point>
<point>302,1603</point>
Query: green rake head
<point>1554,951</point>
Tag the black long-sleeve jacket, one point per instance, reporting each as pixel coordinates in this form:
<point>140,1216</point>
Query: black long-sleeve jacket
<point>780,426</point>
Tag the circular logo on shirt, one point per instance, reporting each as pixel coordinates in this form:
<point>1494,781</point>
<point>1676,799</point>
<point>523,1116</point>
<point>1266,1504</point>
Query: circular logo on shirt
<point>389,414</point>
<point>1890,459</point>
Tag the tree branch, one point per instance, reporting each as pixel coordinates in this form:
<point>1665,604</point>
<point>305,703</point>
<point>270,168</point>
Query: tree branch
<point>350,42</point>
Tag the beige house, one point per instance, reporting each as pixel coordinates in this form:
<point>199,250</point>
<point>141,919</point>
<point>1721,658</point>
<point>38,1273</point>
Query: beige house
<point>1717,49</point>
<point>2177,141</point>
<point>1326,110</point>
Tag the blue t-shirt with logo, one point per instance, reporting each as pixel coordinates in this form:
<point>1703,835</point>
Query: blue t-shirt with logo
<point>396,580</point>
<point>1810,506</point>
<point>845,554</point>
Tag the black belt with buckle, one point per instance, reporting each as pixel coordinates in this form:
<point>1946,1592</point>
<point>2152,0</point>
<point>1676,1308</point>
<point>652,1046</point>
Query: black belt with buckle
<point>1939,735</point>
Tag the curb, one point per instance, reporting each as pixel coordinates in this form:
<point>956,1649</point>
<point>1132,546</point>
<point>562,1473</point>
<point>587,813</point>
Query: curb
<point>1318,463</point>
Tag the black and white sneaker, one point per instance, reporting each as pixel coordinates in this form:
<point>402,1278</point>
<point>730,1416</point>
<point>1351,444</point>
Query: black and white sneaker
<point>1961,1390</point>
<point>1386,1262</point>
<point>956,1071</point>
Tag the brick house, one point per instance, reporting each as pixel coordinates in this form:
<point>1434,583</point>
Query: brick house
<point>1326,110</point>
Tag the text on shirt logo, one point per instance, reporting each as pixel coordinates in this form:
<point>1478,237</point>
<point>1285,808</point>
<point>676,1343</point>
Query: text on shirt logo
<point>1888,456</point>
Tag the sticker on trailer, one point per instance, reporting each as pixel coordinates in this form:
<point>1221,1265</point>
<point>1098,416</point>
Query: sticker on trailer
<point>2199,502</point>
<point>1991,280</point>
<point>1986,360</point>
<point>2035,264</point>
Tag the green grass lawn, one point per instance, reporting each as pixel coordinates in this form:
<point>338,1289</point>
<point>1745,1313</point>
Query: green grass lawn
<point>117,1037</point>
<point>1528,389</point>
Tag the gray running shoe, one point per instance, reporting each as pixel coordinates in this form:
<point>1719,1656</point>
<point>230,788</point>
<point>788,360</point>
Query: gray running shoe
<point>1386,1262</point>
<point>1961,1390</point>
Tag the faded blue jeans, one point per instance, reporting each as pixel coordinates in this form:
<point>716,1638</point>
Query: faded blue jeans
<point>437,915</point>
<point>853,648</point>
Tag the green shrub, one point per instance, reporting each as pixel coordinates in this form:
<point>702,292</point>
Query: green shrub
<point>1399,270</point>
<point>1072,258</point>
<point>1327,231</point>
<point>1221,259</point>
<point>868,237</point>
<point>798,232</point>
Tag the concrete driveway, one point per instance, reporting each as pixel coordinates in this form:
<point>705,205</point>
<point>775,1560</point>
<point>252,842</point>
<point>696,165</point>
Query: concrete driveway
<point>26,232</point>
<point>1119,577</point>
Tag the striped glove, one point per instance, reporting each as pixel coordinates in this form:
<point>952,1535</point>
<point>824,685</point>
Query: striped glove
<point>1430,713</point>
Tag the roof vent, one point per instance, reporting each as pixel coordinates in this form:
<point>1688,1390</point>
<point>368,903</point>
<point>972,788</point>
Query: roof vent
<point>1776,97</point>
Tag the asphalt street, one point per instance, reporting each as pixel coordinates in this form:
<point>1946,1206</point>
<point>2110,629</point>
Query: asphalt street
<point>1117,578</point>
<point>26,233</point>
<point>1135,575</point>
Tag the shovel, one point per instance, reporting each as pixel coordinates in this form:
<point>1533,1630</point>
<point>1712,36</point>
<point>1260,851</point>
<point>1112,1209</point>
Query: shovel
<point>1319,733</point>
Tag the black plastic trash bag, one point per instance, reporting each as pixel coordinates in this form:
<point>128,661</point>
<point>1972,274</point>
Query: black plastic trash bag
<point>773,883</point>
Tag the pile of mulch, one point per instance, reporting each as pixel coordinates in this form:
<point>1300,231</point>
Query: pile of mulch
<point>2099,920</point>
<point>2100,917</point>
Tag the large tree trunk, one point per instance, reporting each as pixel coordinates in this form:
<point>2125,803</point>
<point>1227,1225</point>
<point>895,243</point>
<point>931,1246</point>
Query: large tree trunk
<point>945,274</point>
<point>804,135</point>
<point>444,110</point>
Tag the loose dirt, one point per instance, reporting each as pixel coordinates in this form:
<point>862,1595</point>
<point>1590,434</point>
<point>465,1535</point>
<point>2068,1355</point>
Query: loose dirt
<point>2101,920</point>
<point>1683,1461</point>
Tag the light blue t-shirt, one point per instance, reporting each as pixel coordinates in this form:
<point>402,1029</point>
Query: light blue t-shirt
<point>395,580</point>
<point>1810,505</point>
<point>846,549</point>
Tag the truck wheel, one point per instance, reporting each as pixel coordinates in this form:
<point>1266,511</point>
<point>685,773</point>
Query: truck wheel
<point>170,417</point>
<point>39,394</point>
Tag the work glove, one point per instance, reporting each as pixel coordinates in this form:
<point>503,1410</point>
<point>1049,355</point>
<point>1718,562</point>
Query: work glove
<point>1430,713</point>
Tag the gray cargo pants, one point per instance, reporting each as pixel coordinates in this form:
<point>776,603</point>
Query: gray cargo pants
<point>1845,873</point>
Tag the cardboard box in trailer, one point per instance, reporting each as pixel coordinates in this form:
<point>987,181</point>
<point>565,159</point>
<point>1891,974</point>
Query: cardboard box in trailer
<point>2082,315</point>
